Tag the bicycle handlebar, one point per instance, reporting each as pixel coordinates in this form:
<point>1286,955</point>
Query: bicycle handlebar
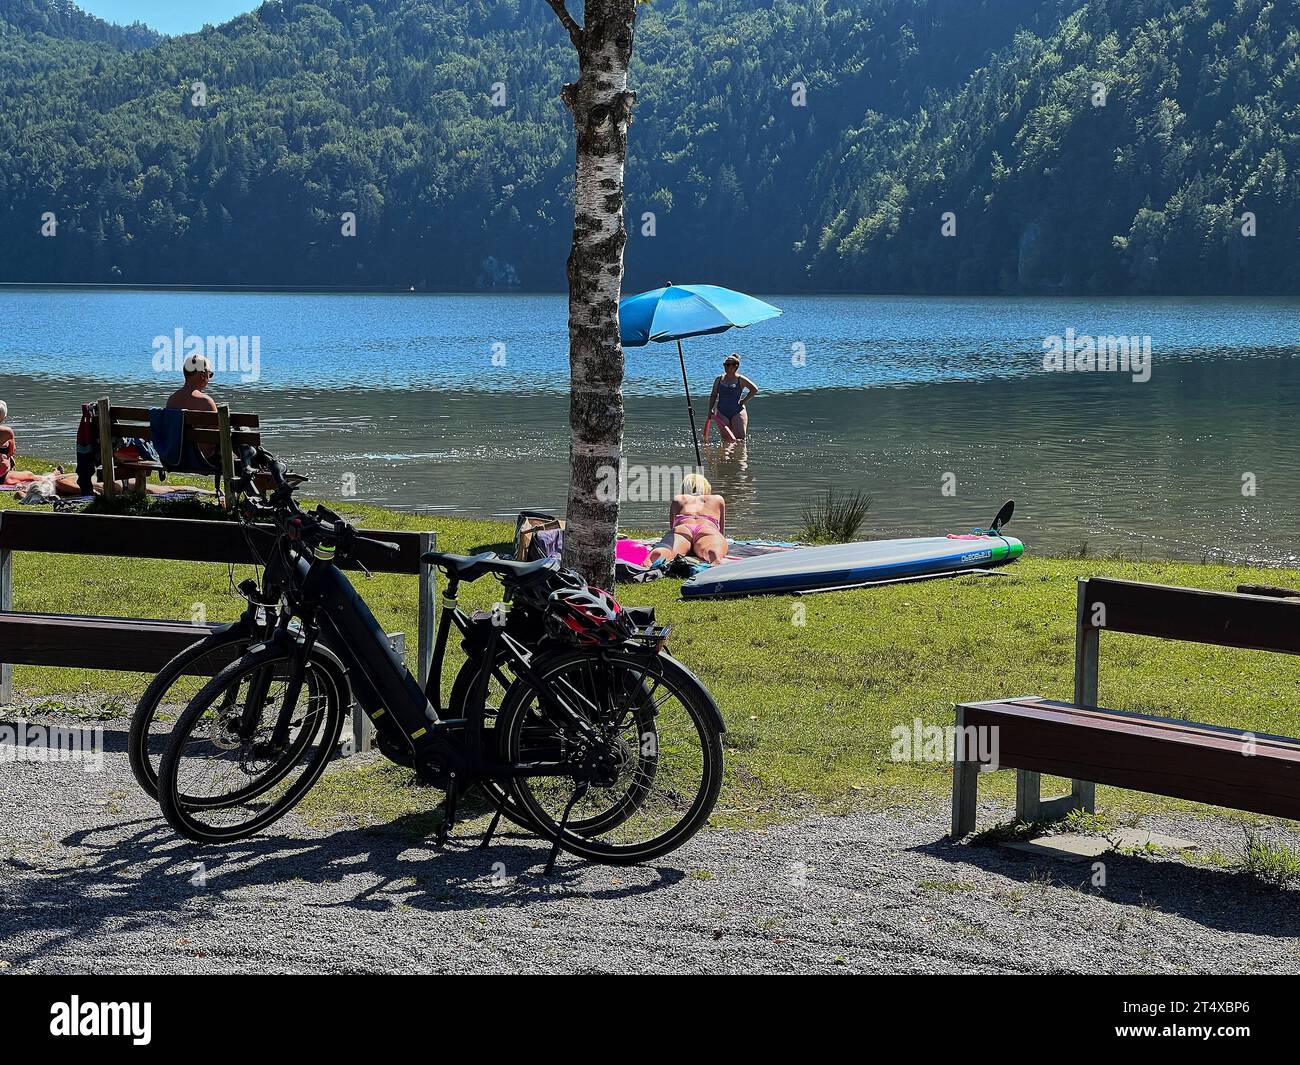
<point>322,526</point>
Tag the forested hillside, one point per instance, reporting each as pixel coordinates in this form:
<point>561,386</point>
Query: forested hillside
<point>779,145</point>
<point>63,18</point>
<point>1056,191</point>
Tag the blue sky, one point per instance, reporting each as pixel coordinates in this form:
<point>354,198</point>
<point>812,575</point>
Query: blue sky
<point>169,16</point>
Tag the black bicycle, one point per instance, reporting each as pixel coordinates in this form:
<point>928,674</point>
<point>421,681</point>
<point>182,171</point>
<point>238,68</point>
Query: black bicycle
<point>179,681</point>
<point>601,741</point>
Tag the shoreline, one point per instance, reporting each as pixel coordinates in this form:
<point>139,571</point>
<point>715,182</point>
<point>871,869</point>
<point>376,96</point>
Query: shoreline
<point>561,290</point>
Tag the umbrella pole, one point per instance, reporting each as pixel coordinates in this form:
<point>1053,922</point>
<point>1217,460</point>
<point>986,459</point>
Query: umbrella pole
<point>695,438</point>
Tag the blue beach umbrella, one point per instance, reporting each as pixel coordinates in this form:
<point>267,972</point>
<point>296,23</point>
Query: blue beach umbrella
<point>676,312</point>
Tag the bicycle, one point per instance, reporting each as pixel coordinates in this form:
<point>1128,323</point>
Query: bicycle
<point>602,743</point>
<point>177,682</point>
<point>174,684</point>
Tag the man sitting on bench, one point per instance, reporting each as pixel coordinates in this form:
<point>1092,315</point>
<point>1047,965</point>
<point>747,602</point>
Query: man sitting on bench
<point>191,396</point>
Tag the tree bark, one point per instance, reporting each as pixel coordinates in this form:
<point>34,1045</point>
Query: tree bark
<point>601,105</point>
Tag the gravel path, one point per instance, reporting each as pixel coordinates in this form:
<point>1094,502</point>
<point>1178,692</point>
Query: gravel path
<point>92,880</point>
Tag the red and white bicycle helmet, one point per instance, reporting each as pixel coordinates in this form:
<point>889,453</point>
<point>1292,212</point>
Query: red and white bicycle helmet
<point>588,616</point>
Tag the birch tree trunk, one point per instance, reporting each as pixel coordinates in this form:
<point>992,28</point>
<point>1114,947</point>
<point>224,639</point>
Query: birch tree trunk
<point>601,106</point>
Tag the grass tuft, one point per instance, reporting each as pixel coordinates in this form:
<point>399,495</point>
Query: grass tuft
<point>1272,862</point>
<point>835,516</point>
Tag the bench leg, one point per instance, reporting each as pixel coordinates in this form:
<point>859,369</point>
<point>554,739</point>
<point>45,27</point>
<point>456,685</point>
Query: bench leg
<point>226,450</point>
<point>109,474</point>
<point>1032,808</point>
<point>965,781</point>
<point>428,612</point>
<point>1028,796</point>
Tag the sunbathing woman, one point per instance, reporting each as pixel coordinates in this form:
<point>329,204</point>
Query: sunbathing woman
<point>8,449</point>
<point>696,523</point>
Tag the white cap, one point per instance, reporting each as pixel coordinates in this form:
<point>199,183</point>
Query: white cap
<point>4,410</point>
<point>197,364</point>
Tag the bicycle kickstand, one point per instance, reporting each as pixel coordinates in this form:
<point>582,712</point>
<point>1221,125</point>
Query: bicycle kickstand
<point>448,812</point>
<point>578,793</point>
<point>492,825</point>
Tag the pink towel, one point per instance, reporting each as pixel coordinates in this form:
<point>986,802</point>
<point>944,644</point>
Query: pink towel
<point>631,551</point>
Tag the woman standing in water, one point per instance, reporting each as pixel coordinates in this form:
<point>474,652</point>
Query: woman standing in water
<point>727,402</point>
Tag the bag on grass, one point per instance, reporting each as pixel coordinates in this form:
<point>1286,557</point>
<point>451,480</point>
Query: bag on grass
<point>538,535</point>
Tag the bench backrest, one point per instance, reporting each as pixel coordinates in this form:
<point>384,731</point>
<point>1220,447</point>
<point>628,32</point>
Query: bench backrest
<point>1226,619</point>
<point>178,539</point>
<point>1229,619</point>
<point>201,426</point>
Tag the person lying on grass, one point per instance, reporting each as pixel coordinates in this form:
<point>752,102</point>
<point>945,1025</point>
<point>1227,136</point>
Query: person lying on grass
<point>696,524</point>
<point>40,487</point>
<point>8,449</point>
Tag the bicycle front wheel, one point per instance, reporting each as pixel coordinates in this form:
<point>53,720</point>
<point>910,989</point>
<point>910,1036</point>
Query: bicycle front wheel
<point>223,775</point>
<point>639,773</point>
<point>172,690</point>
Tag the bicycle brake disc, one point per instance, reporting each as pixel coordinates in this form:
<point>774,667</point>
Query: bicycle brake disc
<point>224,733</point>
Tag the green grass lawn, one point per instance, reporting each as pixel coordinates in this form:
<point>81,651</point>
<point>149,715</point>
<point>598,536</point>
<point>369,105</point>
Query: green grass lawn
<point>810,687</point>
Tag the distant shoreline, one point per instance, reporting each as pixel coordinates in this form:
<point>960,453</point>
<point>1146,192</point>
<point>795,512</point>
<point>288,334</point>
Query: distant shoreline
<point>374,290</point>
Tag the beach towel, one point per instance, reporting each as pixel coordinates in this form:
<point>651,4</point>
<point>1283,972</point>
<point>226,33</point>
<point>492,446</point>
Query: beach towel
<point>630,558</point>
<point>87,449</point>
<point>167,425</point>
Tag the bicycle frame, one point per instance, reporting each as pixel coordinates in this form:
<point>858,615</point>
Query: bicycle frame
<point>385,689</point>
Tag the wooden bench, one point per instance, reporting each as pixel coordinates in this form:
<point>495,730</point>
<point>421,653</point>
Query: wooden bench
<point>221,430</point>
<point>145,645</point>
<point>1092,745</point>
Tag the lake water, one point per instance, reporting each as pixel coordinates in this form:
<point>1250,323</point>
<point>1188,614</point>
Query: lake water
<point>458,403</point>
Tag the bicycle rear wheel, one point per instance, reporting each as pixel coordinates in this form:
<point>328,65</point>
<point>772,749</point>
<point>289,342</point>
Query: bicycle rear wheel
<point>643,777</point>
<point>221,780</point>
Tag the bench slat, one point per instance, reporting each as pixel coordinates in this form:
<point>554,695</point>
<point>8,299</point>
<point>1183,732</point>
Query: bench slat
<point>204,418</point>
<point>213,436</point>
<point>209,436</point>
<point>1227,619</point>
<point>1123,718</point>
<point>59,640</point>
<point>120,536</point>
<point>1174,758</point>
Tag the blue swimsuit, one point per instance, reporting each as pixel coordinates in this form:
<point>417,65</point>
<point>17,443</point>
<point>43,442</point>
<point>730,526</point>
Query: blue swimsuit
<point>728,398</point>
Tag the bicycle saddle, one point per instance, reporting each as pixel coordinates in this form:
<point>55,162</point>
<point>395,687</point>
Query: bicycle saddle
<point>471,567</point>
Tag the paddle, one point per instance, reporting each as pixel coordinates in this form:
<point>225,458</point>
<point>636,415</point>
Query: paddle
<point>1004,516</point>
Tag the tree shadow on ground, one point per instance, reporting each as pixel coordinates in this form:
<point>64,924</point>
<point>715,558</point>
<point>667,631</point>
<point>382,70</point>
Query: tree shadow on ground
<point>1224,899</point>
<point>137,874</point>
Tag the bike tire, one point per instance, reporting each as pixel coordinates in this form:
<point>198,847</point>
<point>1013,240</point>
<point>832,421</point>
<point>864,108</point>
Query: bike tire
<point>522,700</point>
<point>182,814</point>
<point>497,793</point>
<point>144,765</point>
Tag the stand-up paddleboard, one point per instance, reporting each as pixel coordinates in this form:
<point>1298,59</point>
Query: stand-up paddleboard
<point>848,565</point>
